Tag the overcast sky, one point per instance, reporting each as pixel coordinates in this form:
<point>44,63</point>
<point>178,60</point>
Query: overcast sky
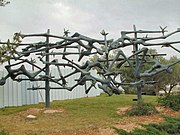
<point>89,17</point>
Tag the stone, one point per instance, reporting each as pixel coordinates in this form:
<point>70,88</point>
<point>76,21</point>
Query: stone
<point>31,117</point>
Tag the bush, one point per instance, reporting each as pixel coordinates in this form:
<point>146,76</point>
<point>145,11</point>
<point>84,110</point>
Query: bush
<point>121,131</point>
<point>130,90</point>
<point>143,109</point>
<point>170,127</point>
<point>3,132</point>
<point>172,101</point>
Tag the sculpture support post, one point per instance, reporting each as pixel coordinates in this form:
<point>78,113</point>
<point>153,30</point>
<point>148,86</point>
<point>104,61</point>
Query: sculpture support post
<point>137,66</point>
<point>106,51</point>
<point>139,95</point>
<point>47,87</point>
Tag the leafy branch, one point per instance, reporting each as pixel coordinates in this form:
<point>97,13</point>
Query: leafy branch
<point>8,49</point>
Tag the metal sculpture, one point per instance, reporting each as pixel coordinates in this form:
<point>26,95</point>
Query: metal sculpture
<point>58,54</point>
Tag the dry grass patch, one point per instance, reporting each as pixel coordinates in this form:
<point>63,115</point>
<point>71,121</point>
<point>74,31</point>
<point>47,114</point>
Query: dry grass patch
<point>80,116</point>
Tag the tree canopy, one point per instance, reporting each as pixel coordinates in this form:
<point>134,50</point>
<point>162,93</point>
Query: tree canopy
<point>167,81</point>
<point>7,49</point>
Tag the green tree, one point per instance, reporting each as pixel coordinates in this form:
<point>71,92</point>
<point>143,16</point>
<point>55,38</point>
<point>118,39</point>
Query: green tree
<point>8,49</point>
<point>167,81</point>
<point>163,79</point>
<point>127,75</point>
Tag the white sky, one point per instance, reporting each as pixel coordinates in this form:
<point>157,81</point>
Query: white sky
<point>89,17</point>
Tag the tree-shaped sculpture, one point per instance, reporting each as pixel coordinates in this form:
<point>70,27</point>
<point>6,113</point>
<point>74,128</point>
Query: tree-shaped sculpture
<point>4,3</point>
<point>140,54</point>
<point>59,54</point>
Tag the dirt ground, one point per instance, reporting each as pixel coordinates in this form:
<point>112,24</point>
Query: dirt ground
<point>126,123</point>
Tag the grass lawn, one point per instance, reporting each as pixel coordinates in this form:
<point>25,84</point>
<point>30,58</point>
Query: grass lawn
<point>83,113</point>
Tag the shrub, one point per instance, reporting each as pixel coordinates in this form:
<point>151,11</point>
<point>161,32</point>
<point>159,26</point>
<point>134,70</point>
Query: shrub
<point>143,109</point>
<point>170,127</point>
<point>130,90</point>
<point>121,131</point>
<point>3,132</point>
<point>172,101</point>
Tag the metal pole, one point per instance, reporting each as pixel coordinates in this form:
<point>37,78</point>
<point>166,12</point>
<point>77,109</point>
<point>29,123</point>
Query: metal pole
<point>47,87</point>
<point>137,72</point>
<point>106,51</point>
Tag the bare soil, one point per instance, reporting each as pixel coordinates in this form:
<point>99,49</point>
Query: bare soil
<point>36,111</point>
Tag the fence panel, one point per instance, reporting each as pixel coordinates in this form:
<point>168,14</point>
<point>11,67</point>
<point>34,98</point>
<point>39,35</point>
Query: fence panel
<point>62,94</point>
<point>1,93</point>
<point>16,94</point>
